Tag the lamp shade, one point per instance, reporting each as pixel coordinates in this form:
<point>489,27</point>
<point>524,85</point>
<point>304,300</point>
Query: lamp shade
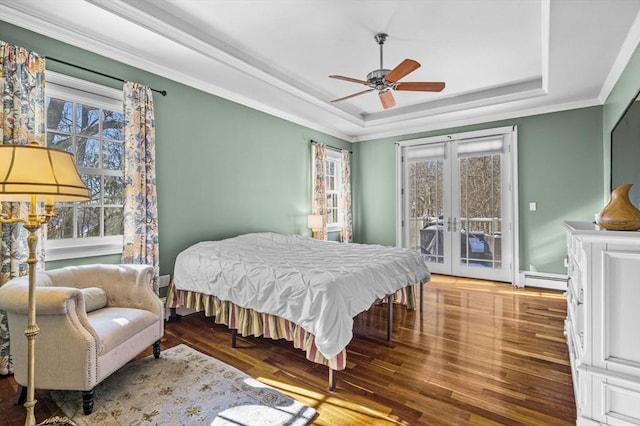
<point>314,221</point>
<point>32,170</point>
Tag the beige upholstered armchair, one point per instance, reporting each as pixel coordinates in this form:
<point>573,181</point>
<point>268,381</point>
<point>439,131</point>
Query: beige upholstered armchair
<point>93,319</point>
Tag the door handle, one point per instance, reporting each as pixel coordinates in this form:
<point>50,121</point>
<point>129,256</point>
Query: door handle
<point>455,226</point>
<point>448,224</point>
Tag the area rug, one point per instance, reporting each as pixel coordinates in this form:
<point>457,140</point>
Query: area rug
<point>183,387</point>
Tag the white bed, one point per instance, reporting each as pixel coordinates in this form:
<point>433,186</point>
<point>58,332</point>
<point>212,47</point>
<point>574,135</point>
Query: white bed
<point>318,285</point>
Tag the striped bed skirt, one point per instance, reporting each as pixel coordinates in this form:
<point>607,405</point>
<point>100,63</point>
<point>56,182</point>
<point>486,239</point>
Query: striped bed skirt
<point>249,322</point>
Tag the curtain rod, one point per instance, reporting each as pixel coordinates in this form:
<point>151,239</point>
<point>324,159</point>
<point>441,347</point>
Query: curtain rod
<point>162,92</point>
<point>328,146</point>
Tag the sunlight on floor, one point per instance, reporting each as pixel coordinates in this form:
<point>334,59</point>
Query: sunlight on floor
<point>323,402</point>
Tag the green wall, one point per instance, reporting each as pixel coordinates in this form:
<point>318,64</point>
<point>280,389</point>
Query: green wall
<point>559,162</point>
<point>222,168</point>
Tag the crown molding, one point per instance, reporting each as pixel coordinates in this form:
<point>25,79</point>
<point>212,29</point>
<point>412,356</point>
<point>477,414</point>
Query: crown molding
<point>629,46</point>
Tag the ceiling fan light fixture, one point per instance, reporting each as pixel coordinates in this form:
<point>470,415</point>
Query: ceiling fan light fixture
<point>387,99</point>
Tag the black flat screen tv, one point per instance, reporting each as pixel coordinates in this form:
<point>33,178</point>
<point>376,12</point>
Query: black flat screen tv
<point>625,150</point>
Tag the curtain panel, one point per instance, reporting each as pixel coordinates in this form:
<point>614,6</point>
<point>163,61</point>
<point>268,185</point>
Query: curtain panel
<point>345,198</point>
<point>319,197</point>
<point>22,119</point>
<point>140,197</point>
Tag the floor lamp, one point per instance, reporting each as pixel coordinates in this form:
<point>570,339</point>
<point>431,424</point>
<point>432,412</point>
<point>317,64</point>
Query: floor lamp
<point>35,174</point>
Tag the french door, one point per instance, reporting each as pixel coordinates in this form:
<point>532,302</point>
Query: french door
<point>456,202</point>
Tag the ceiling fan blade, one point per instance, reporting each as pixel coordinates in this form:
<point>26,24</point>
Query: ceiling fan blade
<point>353,95</point>
<point>386,98</point>
<point>421,86</point>
<point>353,80</point>
<point>405,67</point>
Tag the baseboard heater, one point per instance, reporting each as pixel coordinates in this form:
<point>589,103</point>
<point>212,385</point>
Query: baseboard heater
<point>543,280</point>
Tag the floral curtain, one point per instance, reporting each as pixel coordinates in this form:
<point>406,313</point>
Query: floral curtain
<point>140,198</point>
<point>22,119</point>
<point>319,197</point>
<point>345,198</point>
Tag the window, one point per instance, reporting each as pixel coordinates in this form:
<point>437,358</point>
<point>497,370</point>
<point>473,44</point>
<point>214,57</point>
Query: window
<point>87,120</point>
<point>333,176</point>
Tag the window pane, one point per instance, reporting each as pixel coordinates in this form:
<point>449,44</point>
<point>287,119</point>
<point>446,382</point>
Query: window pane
<point>87,120</point>
<point>88,152</point>
<point>112,125</point>
<point>61,142</point>
<point>88,222</point>
<point>332,208</point>
<point>113,221</point>
<point>333,216</point>
<point>331,168</point>
<point>112,153</point>
<point>59,115</point>
<point>113,188</point>
<point>93,183</point>
<point>61,225</point>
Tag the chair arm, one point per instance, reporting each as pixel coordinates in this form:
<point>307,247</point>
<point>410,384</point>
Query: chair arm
<point>14,298</point>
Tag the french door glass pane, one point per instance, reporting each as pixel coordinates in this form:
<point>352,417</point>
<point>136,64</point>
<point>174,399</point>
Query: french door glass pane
<point>480,211</point>
<point>426,208</point>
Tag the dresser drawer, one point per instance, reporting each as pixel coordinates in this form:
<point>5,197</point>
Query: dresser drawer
<point>615,402</point>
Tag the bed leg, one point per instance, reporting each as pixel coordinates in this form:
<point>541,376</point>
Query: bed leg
<point>173,315</point>
<point>234,334</point>
<point>332,379</point>
<point>421,295</point>
<point>389,316</point>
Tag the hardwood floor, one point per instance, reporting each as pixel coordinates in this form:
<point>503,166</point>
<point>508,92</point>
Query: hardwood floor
<point>481,353</point>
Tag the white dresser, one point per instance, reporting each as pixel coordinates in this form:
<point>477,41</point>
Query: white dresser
<point>603,323</point>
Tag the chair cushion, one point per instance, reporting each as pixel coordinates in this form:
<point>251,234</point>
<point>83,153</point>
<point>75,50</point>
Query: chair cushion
<point>116,325</point>
<point>94,298</point>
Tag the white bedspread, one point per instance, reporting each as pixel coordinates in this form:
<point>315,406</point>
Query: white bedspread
<point>319,285</point>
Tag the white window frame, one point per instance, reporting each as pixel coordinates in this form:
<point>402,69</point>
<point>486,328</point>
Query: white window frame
<point>337,158</point>
<point>82,91</point>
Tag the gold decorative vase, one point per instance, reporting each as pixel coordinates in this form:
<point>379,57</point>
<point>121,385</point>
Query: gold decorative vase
<point>619,214</point>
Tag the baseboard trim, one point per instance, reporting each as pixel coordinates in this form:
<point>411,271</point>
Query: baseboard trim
<point>543,280</point>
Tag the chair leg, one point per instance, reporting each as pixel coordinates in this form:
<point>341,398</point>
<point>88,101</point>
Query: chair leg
<point>87,402</point>
<point>156,349</point>
<point>21,395</point>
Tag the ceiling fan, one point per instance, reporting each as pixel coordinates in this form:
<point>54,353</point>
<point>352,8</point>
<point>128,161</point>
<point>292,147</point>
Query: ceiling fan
<point>384,80</point>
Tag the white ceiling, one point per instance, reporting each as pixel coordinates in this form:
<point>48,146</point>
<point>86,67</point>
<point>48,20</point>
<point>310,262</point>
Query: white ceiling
<point>499,58</point>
